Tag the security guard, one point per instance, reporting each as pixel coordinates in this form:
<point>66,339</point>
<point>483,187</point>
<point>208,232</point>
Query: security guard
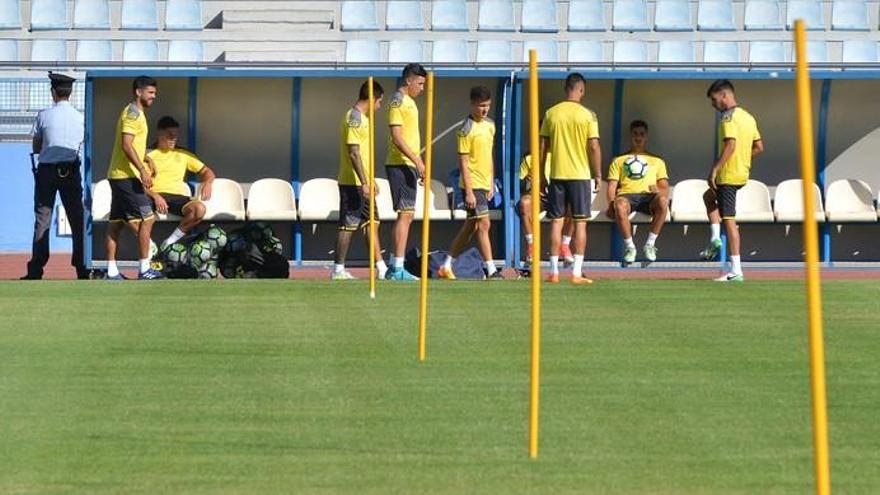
<point>57,138</point>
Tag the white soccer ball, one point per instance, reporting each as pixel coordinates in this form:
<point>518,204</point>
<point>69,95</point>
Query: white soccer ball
<point>635,167</point>
<point>154,249</point>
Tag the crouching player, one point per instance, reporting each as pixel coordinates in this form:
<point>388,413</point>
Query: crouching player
<point>170,165</point>
<point>525,213</point>
<point>476,138</point>
<point>355,173</point>
<point>638,182</point>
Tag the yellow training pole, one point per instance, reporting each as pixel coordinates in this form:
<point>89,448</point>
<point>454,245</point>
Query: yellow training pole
<point>534,385</point>
<point>426,217</point>
<point>811,247</point>
<point>372,156</point>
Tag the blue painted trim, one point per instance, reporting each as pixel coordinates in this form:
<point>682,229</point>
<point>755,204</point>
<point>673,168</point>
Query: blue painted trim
<point>192,113</point>
<point>517,153</point>
<point>296,104</point>
<point>286,74</point>
<point>503,152</point>
<point>821,162</point>
<point>87,172</point>
<point>616,237</point>
<point>707,75</point>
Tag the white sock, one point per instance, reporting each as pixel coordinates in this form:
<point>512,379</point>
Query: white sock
<point>145,265</point>
<point>447,263</point>
<point>529,238</point>
<point>381,266</point>
<point>652,238</point>
<point>629,243</point>
<point>338,267</point>
<point>554,265</point>
<point>566,240</point>
<point>490,267</point>
<point>716,231</point>
<point>577,270</point>
<point>112,268</point>
<point>174,237</point>
<point>736,265</point>
<point>397,263</point>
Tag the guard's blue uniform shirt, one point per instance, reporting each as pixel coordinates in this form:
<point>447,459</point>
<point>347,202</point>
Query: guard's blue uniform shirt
<point>62,129</point>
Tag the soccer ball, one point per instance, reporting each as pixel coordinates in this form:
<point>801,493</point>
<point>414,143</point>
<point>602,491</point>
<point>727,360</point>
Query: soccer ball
<point>176,253</point>
<point>635,168</point>
<point>209,271</point>
<point>154,249</point>
<point>200,254</point>
<point>236,243</point>
<point>273,245</point>
<point>216,237</point>
<point>230,268</point>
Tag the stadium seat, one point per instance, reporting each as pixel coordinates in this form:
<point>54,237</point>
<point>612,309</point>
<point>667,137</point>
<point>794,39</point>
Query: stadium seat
<point>271,199</point>
<point>788,205</point>
<point>227,201</point>
<point>9,51</point>
<point>359,15</point>
<point>687,203</point>
<point>439,203</point>
<point>753,203</point>
<point>49,14</point>
<point>49,50</point>
<point>630,15</point>
<point>548,51</point>
<point>450,51</point>
<point>676,52</point>
<point>762,15</point>
<point>383,201</point>
<point>629,52</point>
<point>817,52</point>
<point>585,52</point>
<point>850,200</point>
<point>183,15</point>
<point>10,14</point>
<point>405,51</point>
<point>586,15</point>
<point>673,15</point>
<point>183,190</point>
<point>495,15</point>
<point>721,52</point>
<point>94,51</point>
<point>539,16</point>
<point>139,14</point>
<point>808,10</point>
<point>715,15</point>
<point>101,197</point>
<point>762,52</point>
<point>319,200</point>
<point>449,15</point>
<point>91,14</point>
<point>404,15</point>
<point>849,15</point>
<point>140,51</point>
<point>859,51</point>
<point>186,51</point>
<point>362,51</point>
<point>494,51</point>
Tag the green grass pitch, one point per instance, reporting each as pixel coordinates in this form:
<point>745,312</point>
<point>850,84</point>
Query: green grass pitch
<point>247,387</point>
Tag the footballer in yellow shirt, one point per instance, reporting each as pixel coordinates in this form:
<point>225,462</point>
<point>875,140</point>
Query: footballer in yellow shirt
<point>638,182</point>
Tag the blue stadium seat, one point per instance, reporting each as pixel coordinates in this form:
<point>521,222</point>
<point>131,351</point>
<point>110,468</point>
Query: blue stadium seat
<point>183,15</point>
<point>849,15</point>
<point>630,15</point>
<point>721,52</point>
<point>94,51</point>
<point>496,15</point>
<point>859,51</point>
<point>49,50</point>
<point>808,10</point>
<point>139,14</point>
<point>405,51</point>
<point>362,51</point>
<point>548,51</point>
<point>359,15</point>
<point>140,51</point>
<point>449,15</point>
<point>49,14</point>
<point>585,52</point>
<point>764,52</point>
<point>10,14</point>
<point>762,15</point>
<point>673,15</point>
<point>9,51</point>
<point>817,52</point>
<point>630,51</point>
<point>450,51</point>
<point>539,16</point>
<point>586,15</point>
<point>494,51</point>
<point>715,15</point>
<point>403,15</point>
<point>186,51</point>
<point>675,52</point>
<point>91,14</point>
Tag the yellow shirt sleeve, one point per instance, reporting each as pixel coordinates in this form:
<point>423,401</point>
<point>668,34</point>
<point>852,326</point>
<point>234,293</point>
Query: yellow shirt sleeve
<point>728,128</point>
<point>545,127</point>
<point>661,170</point>
<point>614,169</point>
<point>395,115</point>
<point>464,143</point>
<point>593,131</point>
<point>130,124</point>
<point>193,164</point>
<point>354,134</point>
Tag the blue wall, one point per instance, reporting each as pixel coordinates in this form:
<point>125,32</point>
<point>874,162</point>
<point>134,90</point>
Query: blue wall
<point>17,202</point>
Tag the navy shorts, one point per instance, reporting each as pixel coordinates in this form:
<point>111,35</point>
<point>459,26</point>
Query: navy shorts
<point>403,181</point>
<point>481,207</point>
<point>726,197</point>
<point>129,202</point>
<point>573,194</point>
<point>176,202</point>
<point>640,202</point>
<point>354,210</point>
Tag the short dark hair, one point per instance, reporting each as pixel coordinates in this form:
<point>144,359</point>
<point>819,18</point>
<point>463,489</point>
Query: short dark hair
<point>480,94</point>
<point>63,91</point>
<point>364,93</point>
<point>573,79</point>
<point>638,124</point>
<point>143,82</point>
<point>414,70</point>
<point>167,122</point>
<point>719,85</point>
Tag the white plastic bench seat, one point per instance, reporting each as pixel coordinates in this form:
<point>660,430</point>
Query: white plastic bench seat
<point>319,200</point>
<point>101,197</point>
<point>271,200</point>
<point>850,200</point>
<point>753,203</point>
<point>687,204</point>
<point>789,203</point>
<point>439,203</point>
<point>227,201</point>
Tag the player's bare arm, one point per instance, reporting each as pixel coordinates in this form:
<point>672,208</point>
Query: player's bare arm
<point>757,147</point>
<point>542,154</point>
<point>400,143</point>
<point>469,199</point>
<point>206,179</point>
<point>354,156</point>
<point>726,153</point>
<point>594,152</point>
<point>610,195</point>
<point>663,189</point>
<point>131,154</point>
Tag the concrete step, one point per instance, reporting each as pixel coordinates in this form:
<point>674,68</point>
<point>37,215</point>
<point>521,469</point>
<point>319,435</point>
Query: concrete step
<point>278,20</point>
<point>280,56</point>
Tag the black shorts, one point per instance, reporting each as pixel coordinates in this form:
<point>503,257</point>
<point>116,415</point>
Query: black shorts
<point>403,181</point>
<point>526,190</point>
<point>354,210</point>
<point>176,202</point>
<point>640,202</point>
<point>129,202</point>
<point>726,197</point>
<point>573,194</point>
<point>481,207</point>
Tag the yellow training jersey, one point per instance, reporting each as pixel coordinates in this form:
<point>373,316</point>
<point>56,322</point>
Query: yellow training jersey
<point>403,112</point>
<point>353,130</point>
<point>477,140</point>
<point>171,167</point>
<point>525,167</point>
<point>737,124</point>
<point>131,121</point>
<point>568,126</point>
<point>637,173</point>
